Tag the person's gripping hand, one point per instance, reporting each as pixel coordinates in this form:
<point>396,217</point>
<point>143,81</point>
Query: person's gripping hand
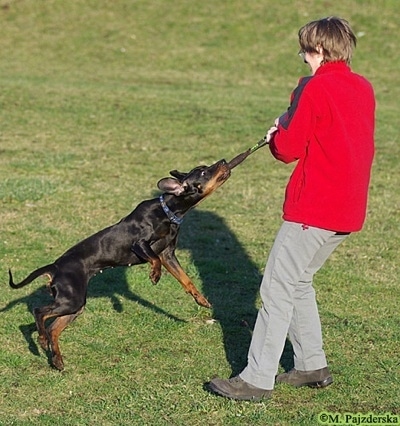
<point>271,131</point>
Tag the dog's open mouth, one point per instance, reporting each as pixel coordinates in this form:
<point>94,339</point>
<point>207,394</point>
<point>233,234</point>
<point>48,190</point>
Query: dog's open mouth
<point>226,174</point>
<point>226,171</point>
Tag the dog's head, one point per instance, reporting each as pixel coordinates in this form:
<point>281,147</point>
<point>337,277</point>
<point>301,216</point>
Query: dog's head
<point>200,182</point>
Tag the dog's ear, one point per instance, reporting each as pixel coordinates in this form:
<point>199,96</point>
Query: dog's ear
<point>179,175</point>
<point>171,186</point>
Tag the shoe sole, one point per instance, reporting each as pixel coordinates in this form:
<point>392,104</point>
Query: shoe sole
<point>238,398</point>
<point>315,385</point>
<point>318,385</point>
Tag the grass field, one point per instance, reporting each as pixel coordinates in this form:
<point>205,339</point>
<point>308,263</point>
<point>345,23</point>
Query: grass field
<point>98,101</point>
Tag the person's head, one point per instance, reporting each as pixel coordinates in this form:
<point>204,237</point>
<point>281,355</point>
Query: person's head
<point>332,39</point>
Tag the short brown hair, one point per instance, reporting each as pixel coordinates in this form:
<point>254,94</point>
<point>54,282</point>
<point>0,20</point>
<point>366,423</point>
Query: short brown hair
<point>333,35</point>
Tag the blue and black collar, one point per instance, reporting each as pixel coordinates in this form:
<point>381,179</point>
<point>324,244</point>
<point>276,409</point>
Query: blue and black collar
<point>171,216</point>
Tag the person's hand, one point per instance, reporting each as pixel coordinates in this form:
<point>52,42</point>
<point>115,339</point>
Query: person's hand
<point>271,132</point>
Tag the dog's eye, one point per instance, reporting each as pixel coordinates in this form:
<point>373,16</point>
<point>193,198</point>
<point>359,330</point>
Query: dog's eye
<point>203,173</point>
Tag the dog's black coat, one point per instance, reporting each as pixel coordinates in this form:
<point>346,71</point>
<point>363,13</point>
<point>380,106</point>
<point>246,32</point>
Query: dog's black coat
<point>148,234</point>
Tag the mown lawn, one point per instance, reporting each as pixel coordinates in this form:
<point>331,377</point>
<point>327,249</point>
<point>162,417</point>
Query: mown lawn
<point>98,101</point>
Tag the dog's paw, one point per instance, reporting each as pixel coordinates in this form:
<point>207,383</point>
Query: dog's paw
<point>43,342</point>
<point>58,362</point>
<point>202,301</point>
<point>155,276</point>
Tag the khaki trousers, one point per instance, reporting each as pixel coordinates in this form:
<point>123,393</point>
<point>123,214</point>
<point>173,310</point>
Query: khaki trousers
<point>289,305</point>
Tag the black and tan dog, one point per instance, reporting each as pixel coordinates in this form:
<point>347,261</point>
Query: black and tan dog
<point>148,234</point>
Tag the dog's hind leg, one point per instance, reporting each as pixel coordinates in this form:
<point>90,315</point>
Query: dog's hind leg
<point>66,307</point>
<point>53,333</point>
<point>41,314</point>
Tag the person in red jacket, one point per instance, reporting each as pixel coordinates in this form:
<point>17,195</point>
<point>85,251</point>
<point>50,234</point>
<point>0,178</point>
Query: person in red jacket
<point>329,131</point>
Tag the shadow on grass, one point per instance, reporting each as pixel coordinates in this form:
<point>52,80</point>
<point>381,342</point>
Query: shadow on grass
<point>230,281</point>
<point>111,284</point>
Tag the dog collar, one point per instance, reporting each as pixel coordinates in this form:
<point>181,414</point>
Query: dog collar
<point>171,216</point>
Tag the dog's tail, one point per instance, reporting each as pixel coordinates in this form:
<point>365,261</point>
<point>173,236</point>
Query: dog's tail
<point>48,269</point>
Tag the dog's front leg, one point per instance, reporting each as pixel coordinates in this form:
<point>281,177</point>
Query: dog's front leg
<point>172,265</point>
<point>144,251</point>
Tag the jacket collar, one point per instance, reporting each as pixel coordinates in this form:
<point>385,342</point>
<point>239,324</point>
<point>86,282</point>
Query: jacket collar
<point>335,66</point>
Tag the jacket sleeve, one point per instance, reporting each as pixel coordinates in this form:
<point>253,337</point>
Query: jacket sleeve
<point>295,126</point>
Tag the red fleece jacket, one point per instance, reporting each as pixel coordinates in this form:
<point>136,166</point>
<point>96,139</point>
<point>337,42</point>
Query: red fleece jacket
<point>329,130</point>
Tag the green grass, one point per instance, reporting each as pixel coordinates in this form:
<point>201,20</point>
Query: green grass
<point>98,101</point>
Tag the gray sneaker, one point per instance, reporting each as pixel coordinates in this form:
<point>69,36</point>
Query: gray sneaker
<point>313,379</point>
<point>237,388</point>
